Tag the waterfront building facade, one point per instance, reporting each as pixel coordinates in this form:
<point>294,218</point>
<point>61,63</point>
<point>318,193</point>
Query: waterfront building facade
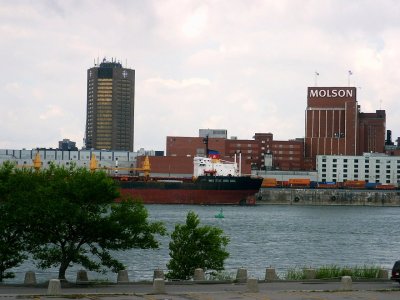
<point>111,161</point>
<point>371,167</point>
<point>286,155</point>
<point>334,124</point>
<point>110,107</point>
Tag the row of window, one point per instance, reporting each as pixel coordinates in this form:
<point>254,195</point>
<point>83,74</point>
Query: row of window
<point>345,160</point>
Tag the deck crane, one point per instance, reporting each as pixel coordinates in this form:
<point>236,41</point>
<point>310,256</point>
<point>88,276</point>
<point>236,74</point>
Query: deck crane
<point>145,166</point>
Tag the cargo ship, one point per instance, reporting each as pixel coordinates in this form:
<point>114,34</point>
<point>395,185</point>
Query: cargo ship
<point>214,182</point>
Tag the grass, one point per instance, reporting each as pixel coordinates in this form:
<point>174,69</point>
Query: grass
<point>220,275</point>
<point>334,271</point>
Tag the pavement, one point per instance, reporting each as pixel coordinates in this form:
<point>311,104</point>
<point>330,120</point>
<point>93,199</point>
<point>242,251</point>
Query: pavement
<point>282,290</point>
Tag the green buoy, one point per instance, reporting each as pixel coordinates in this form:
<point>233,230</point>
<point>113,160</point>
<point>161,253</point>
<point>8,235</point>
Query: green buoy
<point>220,215</point>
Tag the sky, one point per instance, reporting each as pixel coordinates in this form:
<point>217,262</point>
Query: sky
<point>240,65</point>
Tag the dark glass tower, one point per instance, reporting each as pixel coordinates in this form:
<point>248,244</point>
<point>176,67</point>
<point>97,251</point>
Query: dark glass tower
<point>110,107</point>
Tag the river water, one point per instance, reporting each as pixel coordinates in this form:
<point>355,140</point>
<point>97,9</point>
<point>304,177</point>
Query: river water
<point>279,236</point>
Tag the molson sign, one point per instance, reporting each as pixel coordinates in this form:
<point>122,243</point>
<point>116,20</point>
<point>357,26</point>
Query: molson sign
<point>332,92</point>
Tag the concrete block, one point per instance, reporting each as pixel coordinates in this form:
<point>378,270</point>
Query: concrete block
<point>241,275</point>
<point>81,276</point>
<point>383,274</point>
<point>199,274</point>
<point>310,273</point>
<point>158,274</point>
<point>54,287</point>
<point>346,283</point>
<point>123,276</point>
<point>30,278</point>
<point>252,285</point>
<point>159,286</point>
<point>270,274</point>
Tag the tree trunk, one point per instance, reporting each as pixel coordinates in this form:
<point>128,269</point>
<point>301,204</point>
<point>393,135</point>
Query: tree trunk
<point>62,270</point>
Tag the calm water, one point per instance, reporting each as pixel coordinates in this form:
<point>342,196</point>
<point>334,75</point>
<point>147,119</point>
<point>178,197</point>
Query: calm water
<point>278,236</point>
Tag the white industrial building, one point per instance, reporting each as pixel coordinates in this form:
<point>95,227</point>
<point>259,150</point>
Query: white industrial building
<point>371,167</point>
<point>113,161</point>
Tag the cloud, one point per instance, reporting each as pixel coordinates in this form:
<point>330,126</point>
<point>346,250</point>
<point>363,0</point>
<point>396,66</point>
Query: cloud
<point>177,84</point>
<point>51,112</point>
<point>239,65</point>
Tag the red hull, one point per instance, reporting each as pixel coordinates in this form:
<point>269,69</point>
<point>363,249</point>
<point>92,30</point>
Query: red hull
<point>202,197</point>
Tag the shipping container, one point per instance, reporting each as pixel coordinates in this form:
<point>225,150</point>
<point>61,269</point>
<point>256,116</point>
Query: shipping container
<point>354,184</point>
<point>299,182</point>
<point>269,182</point>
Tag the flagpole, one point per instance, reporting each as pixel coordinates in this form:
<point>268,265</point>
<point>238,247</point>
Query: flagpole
<point>316,78</point>
<point>348,77</point>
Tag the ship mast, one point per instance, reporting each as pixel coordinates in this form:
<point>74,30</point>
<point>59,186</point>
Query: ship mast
<point>205,141</point>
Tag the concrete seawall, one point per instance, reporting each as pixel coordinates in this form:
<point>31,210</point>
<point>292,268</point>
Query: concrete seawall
<point>293,196</point>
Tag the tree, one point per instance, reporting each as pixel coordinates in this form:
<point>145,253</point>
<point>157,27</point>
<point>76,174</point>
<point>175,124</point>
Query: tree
<point>12,245</point>
<point>193,246</point>
<point>72,218</point>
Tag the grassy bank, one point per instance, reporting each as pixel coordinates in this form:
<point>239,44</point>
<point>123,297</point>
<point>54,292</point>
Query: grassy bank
<point>334,271</point>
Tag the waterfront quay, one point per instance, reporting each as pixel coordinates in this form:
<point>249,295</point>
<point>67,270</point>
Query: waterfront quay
<point>285,290</point>
<point>302,196</point>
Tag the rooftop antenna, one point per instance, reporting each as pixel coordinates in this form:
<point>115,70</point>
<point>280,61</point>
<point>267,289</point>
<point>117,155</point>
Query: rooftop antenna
<point>316,78</point>
<point>380,104</point>
<point>126,63</point>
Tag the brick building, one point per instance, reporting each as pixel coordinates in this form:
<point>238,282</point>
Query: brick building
<point>372,131</point>
<point>334,125</point>
<point>286,155</point>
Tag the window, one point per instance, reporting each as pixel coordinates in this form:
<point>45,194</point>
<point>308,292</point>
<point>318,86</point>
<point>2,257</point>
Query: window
<point>367,166</point>
<point>323,170</point>
<point>344,170</point>
<point>377,166</point>
<point>324,165</point>
<point>387,181</point>
<point>378,161</point>
<point>345,160</point>
<point>324,160</point>
<point>324,175</point>
<point>345,166</point>
<point>334,166</point>
<point>334,160</point>
<point>356,161</point>
<point>334,170</point>
<point>355,170</point>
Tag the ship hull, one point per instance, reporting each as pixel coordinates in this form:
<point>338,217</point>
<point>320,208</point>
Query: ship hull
<point>204,191</point>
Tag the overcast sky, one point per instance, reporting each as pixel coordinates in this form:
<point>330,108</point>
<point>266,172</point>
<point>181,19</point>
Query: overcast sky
<point>243,65</point>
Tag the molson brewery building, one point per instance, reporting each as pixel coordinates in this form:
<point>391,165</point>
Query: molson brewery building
<point>334,125</point>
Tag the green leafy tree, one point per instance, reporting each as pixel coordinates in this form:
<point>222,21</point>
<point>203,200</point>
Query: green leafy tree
<point>72,218</point>
<point>12,232</point>
<point>193,246</point>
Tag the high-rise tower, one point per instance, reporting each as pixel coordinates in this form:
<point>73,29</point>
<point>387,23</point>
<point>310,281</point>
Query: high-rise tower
<point>110,107</point>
